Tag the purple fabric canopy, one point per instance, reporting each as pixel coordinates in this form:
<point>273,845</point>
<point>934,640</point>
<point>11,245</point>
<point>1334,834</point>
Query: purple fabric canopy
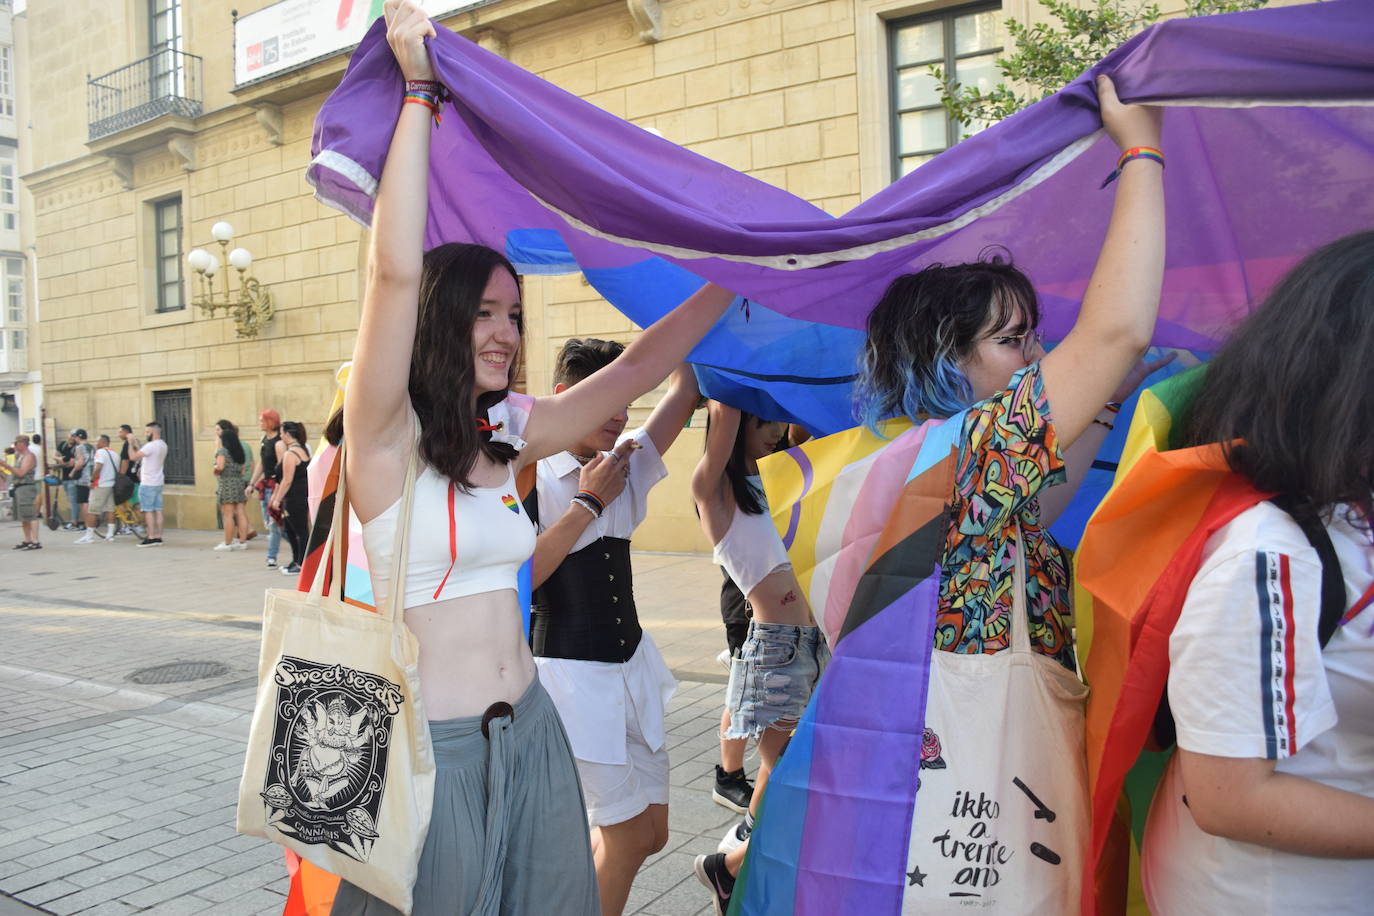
<point>1270,141</point>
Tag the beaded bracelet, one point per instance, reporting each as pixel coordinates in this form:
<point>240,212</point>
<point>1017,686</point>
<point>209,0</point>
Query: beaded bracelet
<point>1103,423</point>
<point>1135,152</point>
<point>585,504</point>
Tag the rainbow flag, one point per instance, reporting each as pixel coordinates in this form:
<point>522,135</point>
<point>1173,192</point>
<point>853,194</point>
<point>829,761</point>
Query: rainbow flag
<point>864,522</point>
<point>1139,553</point>
<point>312,888</point>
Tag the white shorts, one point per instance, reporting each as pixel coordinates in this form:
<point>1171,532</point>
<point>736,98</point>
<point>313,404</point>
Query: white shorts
<point>617,792</point>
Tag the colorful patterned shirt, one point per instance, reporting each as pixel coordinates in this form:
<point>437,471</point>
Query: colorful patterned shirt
<point>1008,453</point>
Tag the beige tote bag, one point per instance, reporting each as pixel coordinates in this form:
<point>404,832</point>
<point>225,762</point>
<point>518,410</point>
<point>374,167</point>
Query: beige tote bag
<point>339,766</point>
<point>1001,819</point>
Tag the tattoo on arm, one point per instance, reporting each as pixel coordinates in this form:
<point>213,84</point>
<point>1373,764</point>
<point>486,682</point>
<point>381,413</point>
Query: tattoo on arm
<point>789,597</point>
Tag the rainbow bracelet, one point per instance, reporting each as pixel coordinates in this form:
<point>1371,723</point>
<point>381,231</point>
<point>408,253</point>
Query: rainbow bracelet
<point>1135,152</point>
<point>426,99</point>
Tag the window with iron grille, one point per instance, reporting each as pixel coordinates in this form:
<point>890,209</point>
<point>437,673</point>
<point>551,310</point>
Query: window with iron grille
<point>172,410</point>
<point>965,42</point>
<point>14,289</point>
<point>167,251</point>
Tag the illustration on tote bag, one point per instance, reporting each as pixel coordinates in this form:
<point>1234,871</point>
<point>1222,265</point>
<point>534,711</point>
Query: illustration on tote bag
<point>327,768</point>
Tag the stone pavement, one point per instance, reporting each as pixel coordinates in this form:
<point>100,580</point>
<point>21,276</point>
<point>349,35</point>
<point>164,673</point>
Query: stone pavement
<point>118,796</point>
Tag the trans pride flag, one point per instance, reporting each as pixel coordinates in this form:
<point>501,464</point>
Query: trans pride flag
<point>1268,125</point>
<point>864,521</point>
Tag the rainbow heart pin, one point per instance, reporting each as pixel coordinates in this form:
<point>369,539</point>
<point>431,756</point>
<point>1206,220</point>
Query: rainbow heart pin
<point>511,503</point>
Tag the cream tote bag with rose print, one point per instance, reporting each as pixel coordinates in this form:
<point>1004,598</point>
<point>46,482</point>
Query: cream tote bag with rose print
<point>1001,819</point>
<point>339,766</point>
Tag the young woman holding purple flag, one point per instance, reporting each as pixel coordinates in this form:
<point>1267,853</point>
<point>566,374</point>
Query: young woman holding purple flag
<point>438,344</point>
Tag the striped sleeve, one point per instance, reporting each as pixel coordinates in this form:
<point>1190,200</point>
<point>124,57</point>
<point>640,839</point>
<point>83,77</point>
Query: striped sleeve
<point>1246,676</point>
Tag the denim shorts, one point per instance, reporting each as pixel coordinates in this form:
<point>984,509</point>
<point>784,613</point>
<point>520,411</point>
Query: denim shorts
<point>150,498</point>
<point>772,677</point>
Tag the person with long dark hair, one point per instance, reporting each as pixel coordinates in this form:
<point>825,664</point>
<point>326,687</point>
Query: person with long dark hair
<point>1267,804</point>
<point>438,345</point>
<point>230,459</point>
<point>784,652</point>
<point>291,495</point>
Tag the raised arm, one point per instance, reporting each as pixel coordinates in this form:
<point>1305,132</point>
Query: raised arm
<point>671,414</point>
<point>1117,317</point>
<point>708,480</point>
<point>375,411</point>
<point>560,420</point>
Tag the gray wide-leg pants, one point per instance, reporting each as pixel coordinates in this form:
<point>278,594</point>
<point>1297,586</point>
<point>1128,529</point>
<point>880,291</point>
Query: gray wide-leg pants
<point>508,836</point>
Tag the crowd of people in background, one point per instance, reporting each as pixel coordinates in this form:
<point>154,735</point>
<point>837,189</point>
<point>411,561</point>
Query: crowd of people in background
<point>101,493</point>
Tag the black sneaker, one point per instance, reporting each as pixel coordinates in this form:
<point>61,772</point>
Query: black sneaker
<point>22,545</point>
<point>34,545</point>
<point>146,542</point>
<point>732,790</point>
<point>711,871</point>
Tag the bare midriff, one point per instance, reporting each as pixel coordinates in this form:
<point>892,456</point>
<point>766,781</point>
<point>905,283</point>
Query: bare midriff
<point>473,653</point>
<point>780,599</point>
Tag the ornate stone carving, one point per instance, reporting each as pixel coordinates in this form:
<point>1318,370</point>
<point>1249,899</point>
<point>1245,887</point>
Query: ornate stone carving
<point>270,119</point>
<point>123,167</point>
<point>183,150</point>
<point>649,17</point>
<point>493,41</point>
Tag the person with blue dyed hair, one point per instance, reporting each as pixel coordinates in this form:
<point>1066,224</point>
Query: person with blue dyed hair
<point>963,342</point>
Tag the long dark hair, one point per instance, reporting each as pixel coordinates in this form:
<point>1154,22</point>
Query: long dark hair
<point>229,438</point>
<point>442,361</point>
<point>925,325</point>
<point>1295,382</point>
<point>747,496</point>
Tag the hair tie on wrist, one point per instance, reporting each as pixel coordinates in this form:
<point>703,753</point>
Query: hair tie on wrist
<point>1135,152</point>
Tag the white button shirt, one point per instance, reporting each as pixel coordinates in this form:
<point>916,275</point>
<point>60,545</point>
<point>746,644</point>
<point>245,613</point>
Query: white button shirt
<point>592,696</point>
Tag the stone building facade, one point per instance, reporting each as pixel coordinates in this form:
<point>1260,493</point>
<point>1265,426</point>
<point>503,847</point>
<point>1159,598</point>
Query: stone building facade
<point>826,98</point>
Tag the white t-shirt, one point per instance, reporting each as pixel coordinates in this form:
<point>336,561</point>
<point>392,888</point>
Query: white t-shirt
<point>108,462</point>
<point>1249,679</point>
<point>154,457</point>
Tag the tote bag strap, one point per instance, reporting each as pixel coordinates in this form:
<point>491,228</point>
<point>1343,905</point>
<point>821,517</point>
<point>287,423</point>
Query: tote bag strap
<point>400,549</point>
<point>1020,618</point>
<point>334,546</point>
<point>332,556</point>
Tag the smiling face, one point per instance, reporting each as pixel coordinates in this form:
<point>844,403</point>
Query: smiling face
<point>761,437</point>
<point>496,333</point>
<point>998,354</point>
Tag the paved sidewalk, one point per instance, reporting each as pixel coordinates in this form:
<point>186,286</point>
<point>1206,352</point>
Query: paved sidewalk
<point>118,797</point>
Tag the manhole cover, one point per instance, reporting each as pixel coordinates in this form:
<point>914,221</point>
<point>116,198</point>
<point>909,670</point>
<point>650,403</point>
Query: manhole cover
<point>179,671</point>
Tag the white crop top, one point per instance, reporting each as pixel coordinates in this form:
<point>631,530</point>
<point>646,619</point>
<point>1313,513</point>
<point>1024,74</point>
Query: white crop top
<point>751,549</point>
<point>491,531</point>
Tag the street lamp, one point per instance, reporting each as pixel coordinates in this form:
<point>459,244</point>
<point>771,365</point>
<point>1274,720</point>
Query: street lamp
<point>252,308</point>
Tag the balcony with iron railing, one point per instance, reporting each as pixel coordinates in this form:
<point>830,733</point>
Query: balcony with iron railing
<point>168,82</point>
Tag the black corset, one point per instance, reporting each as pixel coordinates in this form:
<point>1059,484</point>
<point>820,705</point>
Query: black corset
<point>586,609</point>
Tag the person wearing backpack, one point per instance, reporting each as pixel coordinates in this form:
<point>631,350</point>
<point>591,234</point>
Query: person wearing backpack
<point>1267,806</point>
